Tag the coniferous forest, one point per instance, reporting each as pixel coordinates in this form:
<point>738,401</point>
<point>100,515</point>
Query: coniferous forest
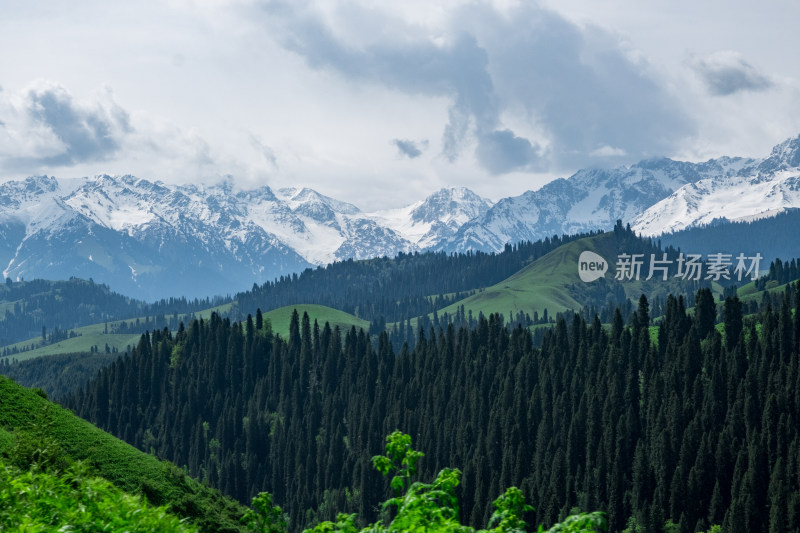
<point>680,427</point>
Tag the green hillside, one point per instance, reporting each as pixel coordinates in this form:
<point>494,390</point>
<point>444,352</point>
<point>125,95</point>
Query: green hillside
<point>750,294</point>
<point>280,318</point>
<point>552,281</point>
<point>88,338</point>
<point>29,421</point>
<point>544,284</point>
<point>33,499</point>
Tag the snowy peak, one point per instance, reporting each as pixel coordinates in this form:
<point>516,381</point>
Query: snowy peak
<point>744,189</point>
<point>16,193</point>
<point>457,204</point>
<point>429,223</point>
<point>591,199</point>
<point>314,200</point>
<point>34,203</point>
<point>784,156</point>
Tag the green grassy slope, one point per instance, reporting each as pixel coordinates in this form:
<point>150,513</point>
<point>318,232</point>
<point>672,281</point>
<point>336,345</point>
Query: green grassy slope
<point>23,411</point>
<point>552,282</point>
<point>280,318</point>
<point>750,294</point>
<point>544,284</point>
<point>94,335</point>
<point>88,338</point>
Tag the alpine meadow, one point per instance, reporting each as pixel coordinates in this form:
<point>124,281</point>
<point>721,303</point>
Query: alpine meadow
<point>479,266</point>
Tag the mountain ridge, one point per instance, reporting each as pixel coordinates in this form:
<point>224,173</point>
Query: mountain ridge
<point>149,239</point>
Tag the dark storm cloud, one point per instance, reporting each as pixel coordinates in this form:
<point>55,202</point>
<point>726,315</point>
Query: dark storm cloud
<point>573,86</point>
<point>578,85</point>
<point>410,149</point>
<point>502,151</point>
<point>726,73</point>
<point>87,133</point>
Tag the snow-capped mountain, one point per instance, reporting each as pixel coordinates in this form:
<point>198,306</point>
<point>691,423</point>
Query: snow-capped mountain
<point>756,189</point>
<point>591,199</point>
<point>152,240</point>
<point>143,238</point>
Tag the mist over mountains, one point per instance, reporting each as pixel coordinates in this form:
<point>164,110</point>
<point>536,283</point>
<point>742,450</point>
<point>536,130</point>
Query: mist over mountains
<point>151,239</point>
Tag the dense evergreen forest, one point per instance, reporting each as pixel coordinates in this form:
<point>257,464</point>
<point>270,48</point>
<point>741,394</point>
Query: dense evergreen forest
<point>697,425</point>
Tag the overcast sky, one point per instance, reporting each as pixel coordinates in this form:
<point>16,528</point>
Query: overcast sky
<point>382,103</point>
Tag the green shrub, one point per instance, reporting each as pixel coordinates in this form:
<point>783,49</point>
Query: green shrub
<point>433,507</point>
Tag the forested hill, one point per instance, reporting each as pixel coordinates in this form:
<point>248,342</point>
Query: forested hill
<point>380,290</point>
<point>701,427</point>
<point>57,306</point>
<point>403,287</point>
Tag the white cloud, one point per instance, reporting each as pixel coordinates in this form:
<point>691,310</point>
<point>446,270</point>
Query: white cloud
<point>508,94</point>
<point>608,151</point>
<point>46,129</point>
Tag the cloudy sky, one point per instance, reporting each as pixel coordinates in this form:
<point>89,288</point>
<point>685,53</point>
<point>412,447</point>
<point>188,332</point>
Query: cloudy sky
<point>381,103</point>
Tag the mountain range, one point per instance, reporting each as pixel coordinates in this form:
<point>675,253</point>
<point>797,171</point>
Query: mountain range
<point>150,239</point>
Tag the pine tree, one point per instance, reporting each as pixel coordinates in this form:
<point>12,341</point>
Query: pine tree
<point>705,312</point>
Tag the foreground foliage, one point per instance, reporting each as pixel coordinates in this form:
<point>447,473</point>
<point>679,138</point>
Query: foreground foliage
<point>427,507</point>
<point>37,500</point>
<point>34,431</point>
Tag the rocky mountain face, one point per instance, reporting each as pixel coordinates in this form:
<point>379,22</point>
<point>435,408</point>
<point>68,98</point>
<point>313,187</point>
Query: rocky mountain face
<point>153,240</point>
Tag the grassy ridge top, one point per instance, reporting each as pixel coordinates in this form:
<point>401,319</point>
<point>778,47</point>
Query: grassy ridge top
<point>24,411</point>
<point>551,282</point>
<point>280,318</point>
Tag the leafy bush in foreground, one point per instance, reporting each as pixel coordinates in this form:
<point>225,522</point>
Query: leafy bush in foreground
<point>424,507</point>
